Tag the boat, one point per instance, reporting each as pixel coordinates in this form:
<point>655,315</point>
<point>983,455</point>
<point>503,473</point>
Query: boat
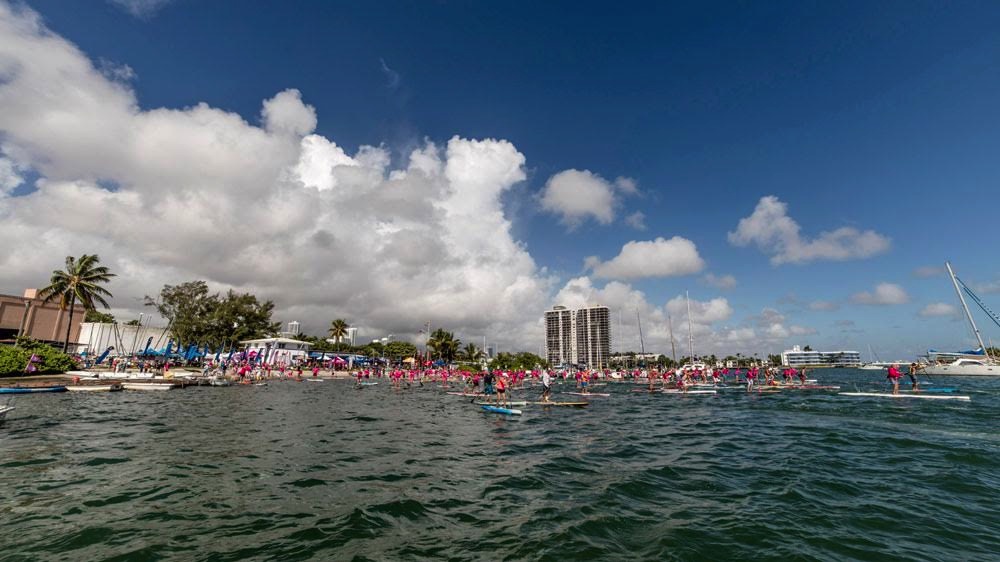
<point>30,389</point>
<point>495,410</point>
<point>909,395</point>
<point>964,368</point>
<point>149,385</point>
<point>4,410</point>
<point>94,387</point>
<point>970,363</point>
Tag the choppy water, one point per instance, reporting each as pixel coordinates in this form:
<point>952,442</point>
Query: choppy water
<point>322,471</point>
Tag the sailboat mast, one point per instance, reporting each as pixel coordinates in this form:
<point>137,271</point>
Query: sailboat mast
<point>968,314</point>
<point>690,333</point>
<point>642,346</point>
<point>673,350</point>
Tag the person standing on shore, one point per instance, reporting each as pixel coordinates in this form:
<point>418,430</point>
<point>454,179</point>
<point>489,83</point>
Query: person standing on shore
<point>894,375</point>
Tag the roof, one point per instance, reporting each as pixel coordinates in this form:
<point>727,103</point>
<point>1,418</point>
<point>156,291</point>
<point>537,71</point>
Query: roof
<point>278,340</point>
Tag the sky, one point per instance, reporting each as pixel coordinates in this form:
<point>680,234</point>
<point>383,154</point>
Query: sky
<point>801,170</point>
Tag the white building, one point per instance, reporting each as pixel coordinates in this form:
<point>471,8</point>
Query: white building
<point>581,336</point>
<point>278,350</point>
<point>796,357</point>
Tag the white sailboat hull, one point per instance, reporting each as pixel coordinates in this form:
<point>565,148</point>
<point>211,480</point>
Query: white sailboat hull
<point>970,370</point>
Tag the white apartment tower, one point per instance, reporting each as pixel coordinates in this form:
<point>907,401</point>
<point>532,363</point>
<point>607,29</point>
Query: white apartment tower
<point>581,336</point>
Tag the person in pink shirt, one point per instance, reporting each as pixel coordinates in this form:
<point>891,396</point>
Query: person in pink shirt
<point>893,376</point>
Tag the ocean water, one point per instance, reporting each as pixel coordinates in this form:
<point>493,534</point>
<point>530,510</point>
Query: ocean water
<point>322,471</point>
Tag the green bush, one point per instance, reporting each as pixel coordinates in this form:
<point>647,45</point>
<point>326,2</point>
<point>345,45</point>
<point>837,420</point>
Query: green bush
<point>13,360</point>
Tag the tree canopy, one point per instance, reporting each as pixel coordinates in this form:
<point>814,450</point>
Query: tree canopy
<point>198,317</point>
<point>81,282</point>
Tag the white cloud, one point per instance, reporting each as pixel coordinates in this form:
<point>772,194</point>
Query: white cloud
<point>990,287</point>
<point>576,195</point>
<point>285,113</point>
<point>142,9</point>
<point>702,312</point>
<point>796,330</point>
<point>928,271</point>
<point>774,232</point>
<point>824,306</point>
<point>201,193</point>
<point>938,309</point>
<point>724,282</point>
<point>636,220</point>
<point>626,185</point>
<point>10,175</point>
<point>651,258</point>
<point>884,294</point>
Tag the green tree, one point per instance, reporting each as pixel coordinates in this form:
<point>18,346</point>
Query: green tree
<point>80,281</point>
<point>400,350</point>
<point>96,316</point>
<point>238,316</point>
<point>471,353</point>
<point>198,317</point>
<point>444,345</point>
<point>338,330</point>
<point>807,348</point>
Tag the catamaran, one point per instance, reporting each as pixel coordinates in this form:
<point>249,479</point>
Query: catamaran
<point>974,363</point>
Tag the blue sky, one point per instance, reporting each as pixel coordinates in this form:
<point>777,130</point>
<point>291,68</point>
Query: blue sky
<point>874,116</point>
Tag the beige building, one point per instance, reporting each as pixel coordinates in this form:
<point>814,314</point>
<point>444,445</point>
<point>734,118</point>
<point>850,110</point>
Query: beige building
<point>28,315</point>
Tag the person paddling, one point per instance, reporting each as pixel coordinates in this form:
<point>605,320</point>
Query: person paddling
<point>546,387</point>
<point>894,375</point>
<point>502,391</point>
<point>913,376</point>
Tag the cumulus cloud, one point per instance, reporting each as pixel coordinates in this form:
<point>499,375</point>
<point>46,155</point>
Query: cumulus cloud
<point>168,195</point>
<point>711,321</point>
<point>724,282</point>
<point>774,232</point>
<point>884,294</point>
<point>939,309</point>
<point>576,195</point>
<point>636,220</point>
<point>651,258</point>
<point>627,185</point>
<point>928,271</point>
<point>10,175</point>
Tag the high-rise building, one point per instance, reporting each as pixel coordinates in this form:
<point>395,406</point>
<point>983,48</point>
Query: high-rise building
<point>581,336</point>
<point>294,328</point>
<point>351,337</point>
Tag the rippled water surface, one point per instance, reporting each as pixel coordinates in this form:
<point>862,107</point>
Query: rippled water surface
<point>298,471</point>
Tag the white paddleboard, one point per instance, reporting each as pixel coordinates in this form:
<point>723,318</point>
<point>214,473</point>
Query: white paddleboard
<point>888,395</point>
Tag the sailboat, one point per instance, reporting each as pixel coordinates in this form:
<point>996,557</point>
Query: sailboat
<point>974,363</point>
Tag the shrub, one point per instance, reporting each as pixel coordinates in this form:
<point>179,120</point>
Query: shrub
<point>13,360</point>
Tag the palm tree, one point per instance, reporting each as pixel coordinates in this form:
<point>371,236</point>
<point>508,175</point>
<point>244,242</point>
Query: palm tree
<point>80,281</point>
<point>471,353</point>
<point>444,344</point>
<point>338,330</point>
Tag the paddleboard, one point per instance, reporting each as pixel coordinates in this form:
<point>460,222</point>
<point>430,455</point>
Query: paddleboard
<point>587,393</point>
<point>369,383</point>
<point>678,391</point>
<point>931,389</point>
<point>575,404</point>
<point>495,410</point>
<point>511,403</point>
<point>909,395</point>
<point>468,394</point>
